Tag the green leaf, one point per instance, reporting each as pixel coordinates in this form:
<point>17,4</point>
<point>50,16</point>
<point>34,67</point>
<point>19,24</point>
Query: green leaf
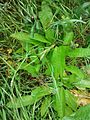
<point>40,38</point>
<point>68,111</point>
<point>83,83</point>
<point>59,102</point>
<point>35,96</point>
<point>19,102</point>
<point>39,92</point>
<point>26,46</point>
<point>68,38</point>
<point>58,61</point>
<point>75,70</point>
<point>49,34</point>
<point>70,100</point>
<point>79,52</point>
<point>30,68</point>
<point>24,37</point>
<point>45,105</point>
<point>62,96</point>
<point>45,15</point>
<point>72,78</point>
<point>82,114</point>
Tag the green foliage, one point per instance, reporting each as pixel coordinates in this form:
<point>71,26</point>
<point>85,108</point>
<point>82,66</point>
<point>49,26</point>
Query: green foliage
<point>49,34</point>
<point>35,96</point>
<point>33,70</point>
<point>81,114</point>
<point>45,15</point>
<point>49,42</point>
<point>83,83</point>
<point>25,37</point>
<point>70,100</point>
<point>60,102</point>
<point>79,52</point>
<point>45,105</point>
<point>55,54</point>
<point>68,38</point>
<point>58,61</point>
<point>76,71</point>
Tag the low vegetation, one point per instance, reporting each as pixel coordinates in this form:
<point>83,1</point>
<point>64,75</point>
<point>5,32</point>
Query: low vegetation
<point>45,60</point>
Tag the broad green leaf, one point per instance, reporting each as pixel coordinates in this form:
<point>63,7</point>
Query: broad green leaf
<point>39,92</point>
<point>30,68</point>
<point>26,46</point>
<point>45,15</point>
<point>79,52</point>
<point>45,105</point>
<point>68,38</point>
<point>40,38</point>
<point>68,110</point>
<point>59,102</point>
<point>24,37</point>
<point>83,83</point>
<point>58,61</point>
<point>20,102</point>
<point>35,96</point>
<point>49,34</point>
<point>75,70</point>
<point>48,70</point>
<point>72,78</point>
<point>70,100</point>
<point>82,114</point>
